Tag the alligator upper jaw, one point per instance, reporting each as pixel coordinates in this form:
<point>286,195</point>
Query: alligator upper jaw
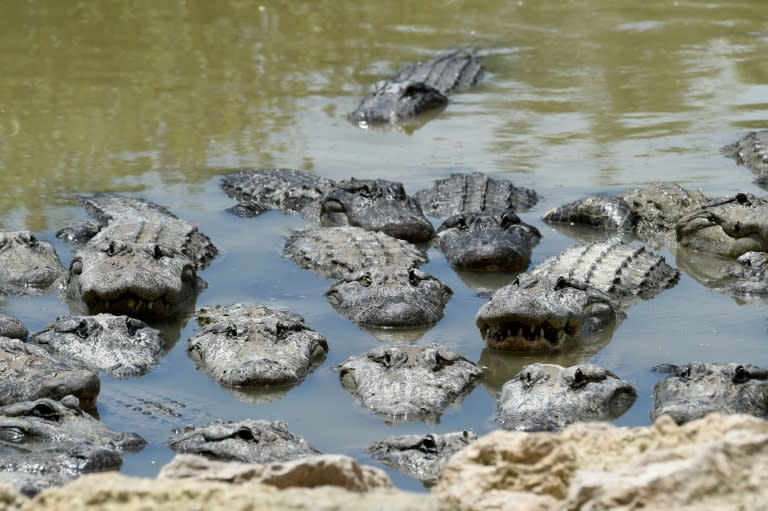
<point>522,335</point>
<point>134,306</point>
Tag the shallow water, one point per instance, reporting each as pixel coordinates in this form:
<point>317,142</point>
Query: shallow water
<point>579,97</point>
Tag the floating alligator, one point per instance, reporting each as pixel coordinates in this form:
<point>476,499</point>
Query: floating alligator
<point>548,397</point>
<point>574,295</point>
<point>417,88</point>
<point>408,382</point>
<point>694,390</point>
<point>142,263</point>
<point>752,152</point>
<point>12,327</point>
<point>421,456</point>
<point>247,441</point>
<point>28,265</point>
<point>118,345</point>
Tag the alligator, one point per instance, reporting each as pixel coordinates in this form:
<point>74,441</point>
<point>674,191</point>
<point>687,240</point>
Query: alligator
<point>28,265</point>
<point>418,88</point>
<point>118,345</point>
<point>421,456</point>
<point>142,263</point>
<point>487,241</point>
<point>12,327</point>
<point>337,252</point>
<point>247,441</point>
<point>29,372</point>
<point>694,390</point>
<point>390,297</point>
<point>599,211</point>
<point>576,295</point>
<point>408,382</point>
<point>376,205</point>
<point>259,190</point>
<point>752,151</point>
<point>252,345</point>
<point>79,232</point>
<point>548,397</point>
<point>474,193</point>
<point>747,276</point>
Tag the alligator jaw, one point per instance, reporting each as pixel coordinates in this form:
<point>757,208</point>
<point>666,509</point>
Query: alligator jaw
<point>523,336</point>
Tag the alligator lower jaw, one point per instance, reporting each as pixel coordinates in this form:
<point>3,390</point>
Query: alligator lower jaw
<point>131,306</point>
<point>520,336</point>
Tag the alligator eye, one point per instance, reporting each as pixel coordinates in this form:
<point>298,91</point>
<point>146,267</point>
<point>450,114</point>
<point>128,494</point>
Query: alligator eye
<point>245,434</point>
<point>413,277</point>
<point>82,330</point>
<point>365,280</point>
<point>742,198</point>
<point>428,444</point>
<point>561,283</point>
<point>740,374</point>
<point>579,380</point>
<point>508,219</point>
<point>76,267</point>
<point>333,206</point>
<point>684,372</point>
<point>114,248</point>
<point>45,411</point>
<point>159,251</point>
<point>28,238</point>
<point>737,227</point>
<point>461,223</point>
<point>133,325</point>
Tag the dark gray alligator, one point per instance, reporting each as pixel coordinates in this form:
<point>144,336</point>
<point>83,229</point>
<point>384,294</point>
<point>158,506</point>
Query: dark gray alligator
<point>694,390</point>
<point>118,345</point>
<point>417,88</point>
<point>573,296</point>
<point>548,397</point>
<point>143,262</point>
<point>474,193</point>
<point>600,211</point>
<point>28,372</point>
<point>259,190</point>
<point>28,265</point>
<point>12,327</point>
<point>336,252</point>
<point>390,297</point>
<point>376,205</point>
<point>746,277</point>
<point>409,382</point>
<point>421,456</point>
<point>247,441</point>
<point>487,241</point>
<point>252,345</point>
<point>752,151</point>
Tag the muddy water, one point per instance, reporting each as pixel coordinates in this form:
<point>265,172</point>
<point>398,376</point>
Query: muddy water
<point>582,96</point>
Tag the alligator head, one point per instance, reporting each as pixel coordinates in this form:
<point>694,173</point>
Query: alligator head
<point>390,297</point>
<point>748,275</point>
<point>27,264</point>
<point>487,241</point>
<point>376,205</point>
<point>727,227</point>
<point>697,389</point>
<point>135,279</point>
<point>541,313</point>
<point>394,102</point>
<point>548,397</point>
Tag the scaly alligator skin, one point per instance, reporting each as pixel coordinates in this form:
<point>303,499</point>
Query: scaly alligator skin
<point>697,389</point>
<point>548,397</point>
<point>601,211</point>
<point>537,313</point>
<point>418,88</point>
<point>247,441</point>
<point>28,265</point>
<point>748,274</point>
<point>728,226</point>
<point>474,193</point>
<point>252,345</point>
<point>28,372</point>
<point>751,151</point>
<point>487,241</point>
<point>376,205</point>
<point>118,345</point>
<point>390,297</point>
<point>79,232</point>
<point>259,190</point>
<point>408,382</point>
<point>336,252</point>
<point>420,456</point>
<point>143,263</point>
<point>12,327</point>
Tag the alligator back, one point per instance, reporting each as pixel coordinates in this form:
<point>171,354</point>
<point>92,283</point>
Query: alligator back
<point>453,71</point>
<point>751,151</point>
<point>621,270</point>
<point>602,211</point>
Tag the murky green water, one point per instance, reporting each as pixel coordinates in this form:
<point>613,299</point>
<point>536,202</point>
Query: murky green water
<point>159,99</point>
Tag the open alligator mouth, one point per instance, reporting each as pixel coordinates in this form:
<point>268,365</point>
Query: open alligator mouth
<point>131,305</point>
<point>523,336</point>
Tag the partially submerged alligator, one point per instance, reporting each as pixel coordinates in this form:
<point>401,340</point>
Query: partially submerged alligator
<point>752,152</point>
<point>118,345</point>
<point>12,327</point>
<point>574,295</point>
<point>28,372</point>
<point>694,390</point>
<point>418,88</point>
<point>408,382</point>
<point>421,456</point>
<point>142,263</point>
<point>746,277</point>
<point>247,441</point>
<point>487,241</point>
<point>548,397</point>
<point>28,265</point>
<point>390,297</point>
<point>252,345</point>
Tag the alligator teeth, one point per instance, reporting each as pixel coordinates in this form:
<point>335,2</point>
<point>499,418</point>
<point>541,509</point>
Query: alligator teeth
<point>520,332</point>
<point>149,305</point>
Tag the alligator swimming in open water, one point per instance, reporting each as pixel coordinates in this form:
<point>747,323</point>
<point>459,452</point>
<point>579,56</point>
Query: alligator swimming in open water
<point>548,397</point>
<point>28,265</point>
<point>118,345</point>
<point>417,88</point>
<point>142,263</point>
<point>694,390</point>
<point>408,382</point>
